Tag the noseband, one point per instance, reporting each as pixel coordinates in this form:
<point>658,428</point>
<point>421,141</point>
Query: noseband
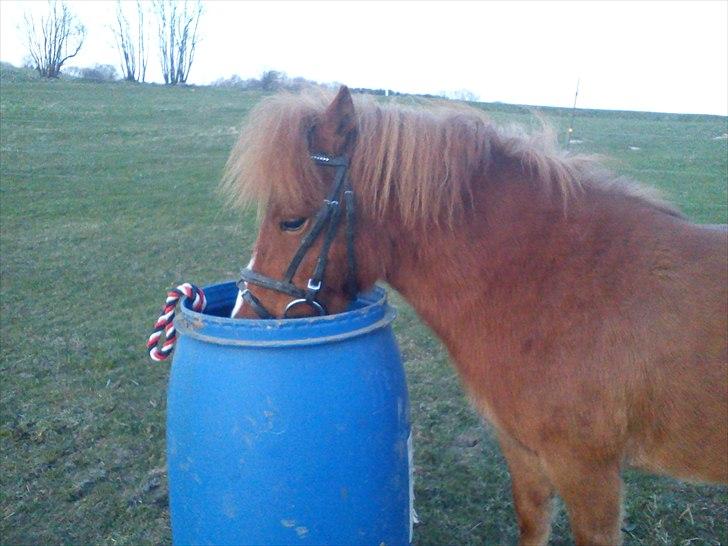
<point>327,221</point>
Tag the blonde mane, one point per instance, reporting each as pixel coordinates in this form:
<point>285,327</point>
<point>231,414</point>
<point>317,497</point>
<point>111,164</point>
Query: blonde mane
<point>422,158</point>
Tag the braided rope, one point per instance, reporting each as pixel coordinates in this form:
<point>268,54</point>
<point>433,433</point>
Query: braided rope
<point>165,322</point>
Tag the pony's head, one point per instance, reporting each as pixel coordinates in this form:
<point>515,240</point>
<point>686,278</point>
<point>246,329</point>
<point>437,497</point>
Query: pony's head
<point>411,168</point>
<point>280,161</point>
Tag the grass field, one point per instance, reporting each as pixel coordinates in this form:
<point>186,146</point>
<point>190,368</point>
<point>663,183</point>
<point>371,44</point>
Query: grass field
<point>107,198</point>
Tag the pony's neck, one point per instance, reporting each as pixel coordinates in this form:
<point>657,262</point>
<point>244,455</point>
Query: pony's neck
<point>488,271</point>
<point>522,249</point>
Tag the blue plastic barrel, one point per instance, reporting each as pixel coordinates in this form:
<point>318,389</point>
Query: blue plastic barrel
<point>288,431</point>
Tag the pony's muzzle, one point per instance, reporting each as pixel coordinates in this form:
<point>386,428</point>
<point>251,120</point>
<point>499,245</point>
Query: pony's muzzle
<point>256,304</point>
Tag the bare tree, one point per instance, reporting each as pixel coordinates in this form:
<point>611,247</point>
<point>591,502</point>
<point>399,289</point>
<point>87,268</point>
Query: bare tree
<point>177,24</point>
<point>272,80</point>
<point>462,94</point>
<point>131,44</point>
<point>54,38</point>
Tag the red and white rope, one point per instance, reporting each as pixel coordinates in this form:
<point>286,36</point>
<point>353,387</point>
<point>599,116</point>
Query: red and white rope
<point>165,322</point>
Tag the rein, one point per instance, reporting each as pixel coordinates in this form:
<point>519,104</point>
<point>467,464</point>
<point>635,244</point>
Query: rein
<point>327,221</point>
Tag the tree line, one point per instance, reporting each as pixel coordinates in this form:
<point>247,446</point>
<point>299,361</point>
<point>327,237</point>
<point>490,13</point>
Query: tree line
<point>58,35</point>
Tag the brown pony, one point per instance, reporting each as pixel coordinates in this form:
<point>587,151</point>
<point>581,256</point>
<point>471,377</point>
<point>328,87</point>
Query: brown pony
<point>586,317</point>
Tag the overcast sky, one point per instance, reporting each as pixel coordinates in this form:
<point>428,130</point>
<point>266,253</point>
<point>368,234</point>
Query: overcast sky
<point>654,56</point>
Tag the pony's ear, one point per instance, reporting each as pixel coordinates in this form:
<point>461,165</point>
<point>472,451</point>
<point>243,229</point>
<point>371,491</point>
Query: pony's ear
<point>337,128</point>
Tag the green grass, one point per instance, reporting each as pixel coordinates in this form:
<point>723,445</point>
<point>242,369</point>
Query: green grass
<point>107,197</point>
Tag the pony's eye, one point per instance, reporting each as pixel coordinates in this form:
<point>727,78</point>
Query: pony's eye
<point>294,224</point>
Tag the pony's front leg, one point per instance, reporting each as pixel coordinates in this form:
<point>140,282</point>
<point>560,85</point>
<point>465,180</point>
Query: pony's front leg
<point>532,493</point>
<point>592,492</point>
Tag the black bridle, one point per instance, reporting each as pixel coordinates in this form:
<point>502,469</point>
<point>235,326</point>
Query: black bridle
<point>327,220</point>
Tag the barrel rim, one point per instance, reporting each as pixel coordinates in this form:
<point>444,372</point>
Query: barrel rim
<point>375,314</point>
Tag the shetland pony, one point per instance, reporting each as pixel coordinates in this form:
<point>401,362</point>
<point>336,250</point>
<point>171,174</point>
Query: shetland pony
<point>586,317</point>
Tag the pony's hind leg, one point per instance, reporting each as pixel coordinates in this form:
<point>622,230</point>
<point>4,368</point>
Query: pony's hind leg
<point>532,493</point>
<point>592,493</point>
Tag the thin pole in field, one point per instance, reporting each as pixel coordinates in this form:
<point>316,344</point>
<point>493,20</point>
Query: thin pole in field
<point>573,113</point>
